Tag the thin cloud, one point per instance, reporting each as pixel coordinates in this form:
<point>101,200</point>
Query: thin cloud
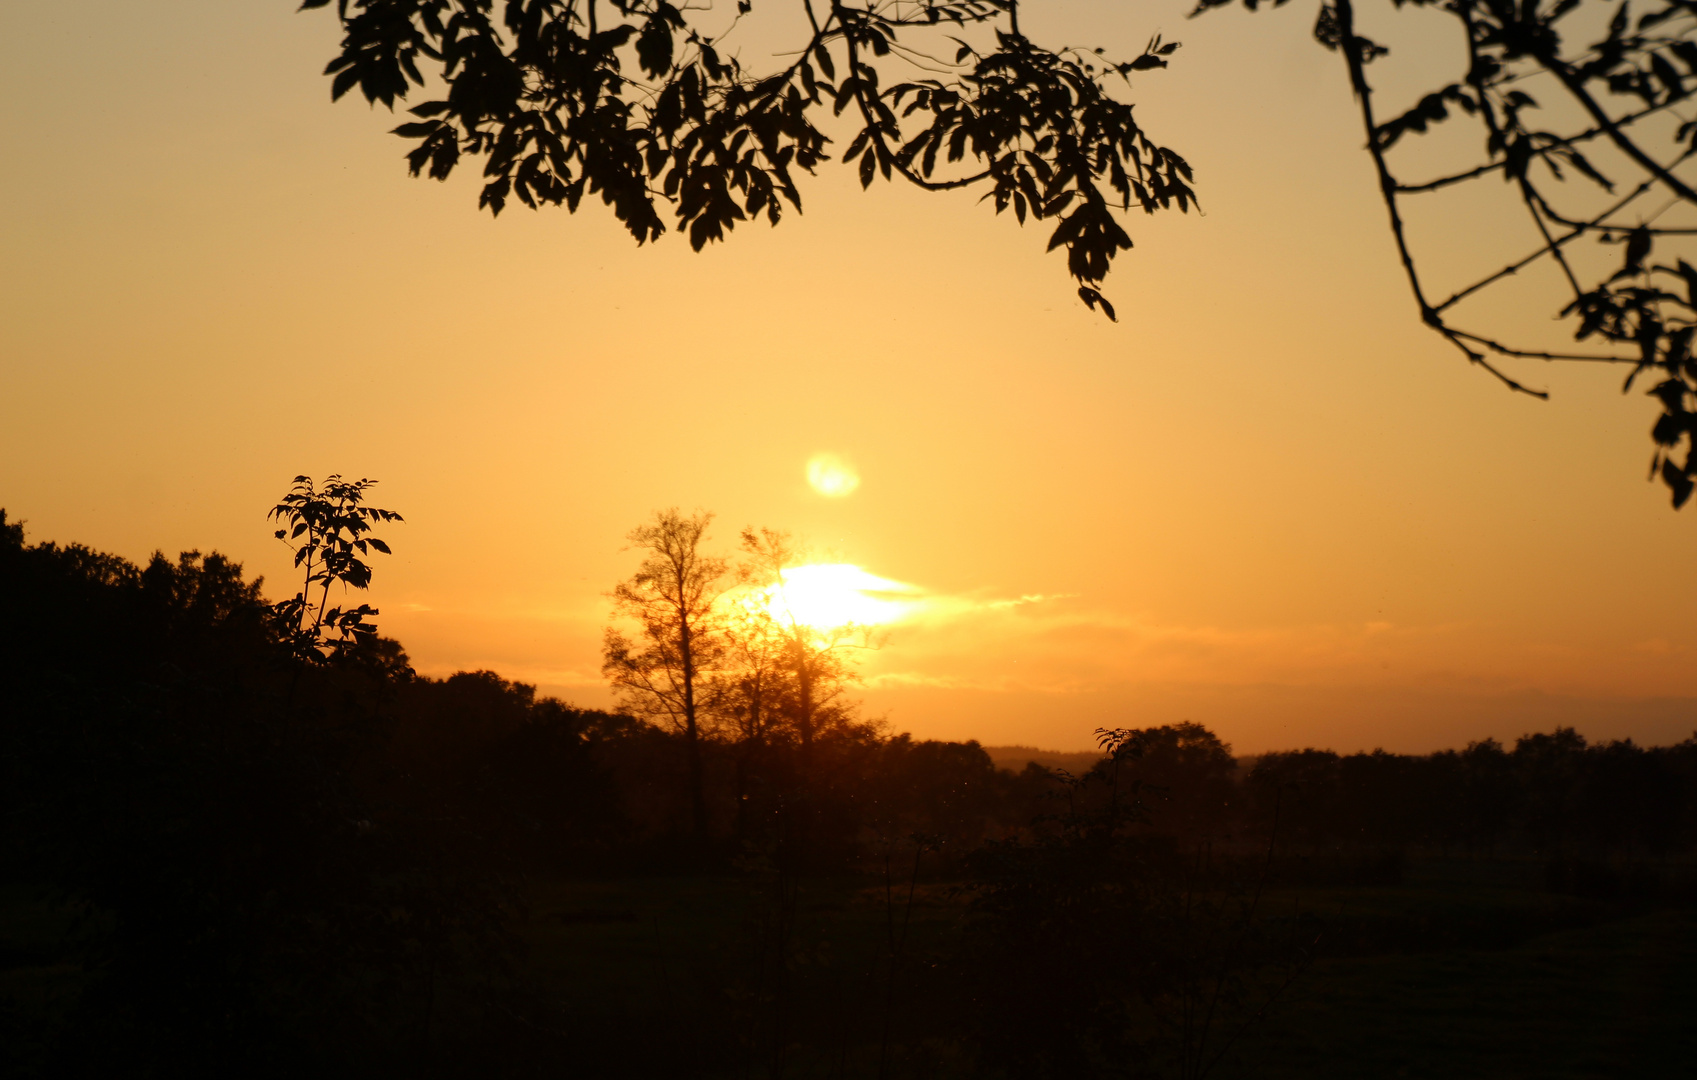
<point>1041,643</point>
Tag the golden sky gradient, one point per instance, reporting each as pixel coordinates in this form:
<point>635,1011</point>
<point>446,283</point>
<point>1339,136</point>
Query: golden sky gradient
<point>1265,500</point>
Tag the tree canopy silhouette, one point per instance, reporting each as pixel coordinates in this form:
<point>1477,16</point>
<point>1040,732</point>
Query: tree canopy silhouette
<point>635,101</point>
<point>673,597</point>
<point>639,102</point>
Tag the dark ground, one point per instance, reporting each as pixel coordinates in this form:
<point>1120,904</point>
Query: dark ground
<point>1462,970</point>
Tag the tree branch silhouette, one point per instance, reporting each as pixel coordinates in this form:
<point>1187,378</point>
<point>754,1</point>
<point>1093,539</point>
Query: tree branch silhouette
<point>1651,60</point>
<point>641,108</point>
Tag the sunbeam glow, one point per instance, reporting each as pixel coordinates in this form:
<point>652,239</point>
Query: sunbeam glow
<point>831,476</point>
<point>830,595</point>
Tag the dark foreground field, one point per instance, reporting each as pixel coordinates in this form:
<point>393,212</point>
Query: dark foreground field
<point>1462,970</point>
<point>227,852</point>
<point>1528,985</point>
<point>1613,999</point>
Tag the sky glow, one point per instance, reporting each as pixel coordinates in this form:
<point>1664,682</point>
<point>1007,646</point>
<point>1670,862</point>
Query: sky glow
<point>828,596</point>
<point>1265,499</point>
<point>831,476</point>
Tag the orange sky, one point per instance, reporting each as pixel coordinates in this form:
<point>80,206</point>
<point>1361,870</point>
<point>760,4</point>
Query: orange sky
<point>1265,500</point>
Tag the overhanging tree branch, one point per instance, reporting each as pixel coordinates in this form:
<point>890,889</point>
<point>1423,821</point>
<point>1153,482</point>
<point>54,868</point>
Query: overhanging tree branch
<point>637,104</point>
<point>1646,310</point>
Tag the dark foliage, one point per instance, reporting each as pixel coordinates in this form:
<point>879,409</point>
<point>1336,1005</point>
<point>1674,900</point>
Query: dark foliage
<point>315,868</point>
<point>221,815</point>
<point>1108,943</point>
<point>328,528</point>
<point>635,101</point>
<point>1553,796</point>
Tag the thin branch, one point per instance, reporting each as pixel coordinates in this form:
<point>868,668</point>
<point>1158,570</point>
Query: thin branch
<point>1508,271</point>
<point>1531,354</point>
<point>1533,200</point>
<point>1528,194</point>
<point>1598,224</point>
<point>874,128</point>
<point>1388,189</point>
<point>1576,87</point>
<point>907,53</point>
<point>1584,136</point>
<point>1578,229</point>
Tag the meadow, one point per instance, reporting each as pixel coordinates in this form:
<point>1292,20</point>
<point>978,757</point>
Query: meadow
<point>1464,969</point>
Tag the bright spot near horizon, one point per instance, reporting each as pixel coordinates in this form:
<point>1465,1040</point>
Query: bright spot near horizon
<point>831,595</point>
<point>832,476</point>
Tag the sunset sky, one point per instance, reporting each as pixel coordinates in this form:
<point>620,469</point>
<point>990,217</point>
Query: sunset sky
<point>1266,499</point>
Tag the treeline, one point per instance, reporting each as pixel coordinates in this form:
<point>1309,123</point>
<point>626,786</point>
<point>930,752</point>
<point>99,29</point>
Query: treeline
<point>287,860</point>
<point>287,863</point>
<point>1552,797</point>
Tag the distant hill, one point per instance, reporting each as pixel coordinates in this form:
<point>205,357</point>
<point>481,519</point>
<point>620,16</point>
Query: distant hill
<point>1015,758</point>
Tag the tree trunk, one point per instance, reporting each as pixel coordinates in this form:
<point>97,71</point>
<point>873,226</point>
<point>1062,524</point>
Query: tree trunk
<point>697,782</point>
<point>692,736</point>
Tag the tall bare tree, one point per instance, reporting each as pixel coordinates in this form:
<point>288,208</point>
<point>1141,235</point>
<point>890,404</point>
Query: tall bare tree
<point>674,598</point>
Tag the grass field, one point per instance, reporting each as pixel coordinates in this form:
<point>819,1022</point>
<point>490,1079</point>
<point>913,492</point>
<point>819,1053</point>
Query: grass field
<point>1614,999</point>
<point>1461,971</point>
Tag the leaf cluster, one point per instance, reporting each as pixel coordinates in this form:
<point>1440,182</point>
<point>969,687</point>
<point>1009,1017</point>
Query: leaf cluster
<point>328,527</point>
<point>633,101</point>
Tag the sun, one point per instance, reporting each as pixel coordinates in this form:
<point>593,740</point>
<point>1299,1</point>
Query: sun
<point>832,476</point>
<point>827,596</point>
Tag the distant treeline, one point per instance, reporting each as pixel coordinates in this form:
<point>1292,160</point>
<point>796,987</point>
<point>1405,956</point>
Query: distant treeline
<point>279,860</point>
<point>1016,758</point>
<point>148,688</point>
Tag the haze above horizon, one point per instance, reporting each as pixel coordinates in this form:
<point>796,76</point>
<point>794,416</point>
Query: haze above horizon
<point>1264,500</point>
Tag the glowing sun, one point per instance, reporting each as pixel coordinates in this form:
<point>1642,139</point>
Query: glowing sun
<point>830,595</point>
<point>831,476</point>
